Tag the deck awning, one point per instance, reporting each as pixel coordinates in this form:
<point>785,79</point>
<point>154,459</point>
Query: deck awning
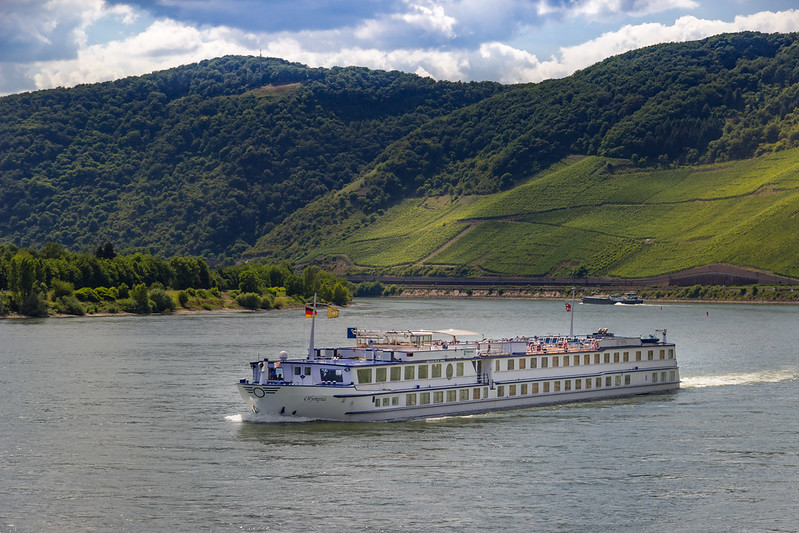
<point>458,332</point>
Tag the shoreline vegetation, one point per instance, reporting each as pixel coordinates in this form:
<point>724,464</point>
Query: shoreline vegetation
<point>227,303</point>
<point>56,282</point>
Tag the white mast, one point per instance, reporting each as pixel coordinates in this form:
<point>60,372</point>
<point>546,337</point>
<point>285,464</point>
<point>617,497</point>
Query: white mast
<point>313,322</point>
<point>571,325</point>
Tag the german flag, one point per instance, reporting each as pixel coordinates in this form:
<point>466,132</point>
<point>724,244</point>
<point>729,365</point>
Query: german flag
<point>309,313</point>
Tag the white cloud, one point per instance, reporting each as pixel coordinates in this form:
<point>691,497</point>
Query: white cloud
<point>167,43</point>
<point>429,17</point>
<point>685,28</point>
<point>164,44</point>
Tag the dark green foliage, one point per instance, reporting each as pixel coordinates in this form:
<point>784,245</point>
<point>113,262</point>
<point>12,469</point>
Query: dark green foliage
<point>200,159</point>
<point>206,159</point>
<point>69,305</point>
<point>161,301</point>
<point>369,288</point>
<point>250,300</point>
<point>33,304</point>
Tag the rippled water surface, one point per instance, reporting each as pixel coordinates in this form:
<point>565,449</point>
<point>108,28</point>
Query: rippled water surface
<point>134,424</point>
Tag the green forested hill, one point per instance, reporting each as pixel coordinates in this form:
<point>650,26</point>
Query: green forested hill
<point>388,171</point>
<point>201,159</point>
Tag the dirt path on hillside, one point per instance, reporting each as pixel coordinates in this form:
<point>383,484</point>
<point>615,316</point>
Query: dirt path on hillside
<point>450,242</point>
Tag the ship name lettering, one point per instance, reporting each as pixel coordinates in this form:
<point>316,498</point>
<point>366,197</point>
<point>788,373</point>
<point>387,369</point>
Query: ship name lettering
<point>316,399</point>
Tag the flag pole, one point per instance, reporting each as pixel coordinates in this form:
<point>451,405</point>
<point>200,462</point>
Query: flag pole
<point>571,325</point>
<point>313,322</point>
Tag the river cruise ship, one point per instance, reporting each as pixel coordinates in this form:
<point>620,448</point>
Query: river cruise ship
<point>398,375</point>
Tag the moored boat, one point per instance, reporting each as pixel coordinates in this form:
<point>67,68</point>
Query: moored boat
<point>396,375</point>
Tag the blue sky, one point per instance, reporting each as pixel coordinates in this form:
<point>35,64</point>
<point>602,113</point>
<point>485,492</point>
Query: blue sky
<point>52,43</point>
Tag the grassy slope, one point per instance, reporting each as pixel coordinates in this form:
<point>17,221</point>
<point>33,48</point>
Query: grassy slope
<point>600,214</point>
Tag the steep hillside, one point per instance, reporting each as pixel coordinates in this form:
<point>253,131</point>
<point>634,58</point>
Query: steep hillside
<point>386,170</point>
<point>589,217</point>
<point>200,159</point>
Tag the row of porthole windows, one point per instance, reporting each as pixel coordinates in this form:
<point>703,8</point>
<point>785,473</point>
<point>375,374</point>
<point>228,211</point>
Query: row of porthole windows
<point>544,361</point>
<point>672,376</point>
<point>519,389</point>
<point>426,398</point>
<point>559,385</point>
<point>382,374</point>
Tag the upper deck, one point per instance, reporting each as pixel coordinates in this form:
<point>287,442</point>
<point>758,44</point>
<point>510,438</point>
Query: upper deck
<point>409,358</point>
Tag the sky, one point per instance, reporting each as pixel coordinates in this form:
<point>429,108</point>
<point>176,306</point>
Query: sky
<point>62,43</point>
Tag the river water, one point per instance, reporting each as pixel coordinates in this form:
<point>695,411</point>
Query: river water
<point>134,424</point>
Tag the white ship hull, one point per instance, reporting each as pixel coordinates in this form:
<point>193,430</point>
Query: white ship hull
<point>467,394</point>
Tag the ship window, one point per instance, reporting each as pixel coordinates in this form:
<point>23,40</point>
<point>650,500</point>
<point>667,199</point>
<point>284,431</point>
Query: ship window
<point>607,381</point>
<point>533,362</point>
<point>476,394</point>
<point>671,353</point>
<point>395,400</point>
<point>524,389</point>
<point>615,357</point>
<point>556,386</point>
<point>607,357</point>
<point>596,358</point>
<point>450,371</point>
<point>396,373</point>
<point>650,354</point>
<point>598,382</point>
<point>627,379</point>
<point>501,391</point>
<point>380,374</point>
<point>654,377</point>
<point>535,388</point>
<point>587,383</point>
<point>626,356</point>
<point>618,380</point>
<point>410,399</point>
<point>328,375</point>
<point>522,364</point>
<point>544,362</point>
<point>424,398</point>
<point>565,360</point>
<point>638,355</point>
<point>576,360</point>
<point>512,390</point>
<point>587,359</point>
<point>546,386</point>
<point>496,366</point>
<point>511,364</point>
<point>422,371</point>
<point>452,395</point>
<point>297,370</point>
<point>578,384</point>
<point>663,376</point>
<point>671,375</point>
<point>567,385</point>
<point>438,396</point>
<point>410,372</point>
<point>364,375</point>
<point>464,395</point>
<point>459,369</point>
<point>555,360</point>
<point>435,371</point>
<point>385,402</point>
<point>485,392</point>
<point>662,354</point>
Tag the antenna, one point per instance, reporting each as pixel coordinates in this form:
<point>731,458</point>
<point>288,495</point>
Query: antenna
<point>313,322</point>
<point>571,324</point>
